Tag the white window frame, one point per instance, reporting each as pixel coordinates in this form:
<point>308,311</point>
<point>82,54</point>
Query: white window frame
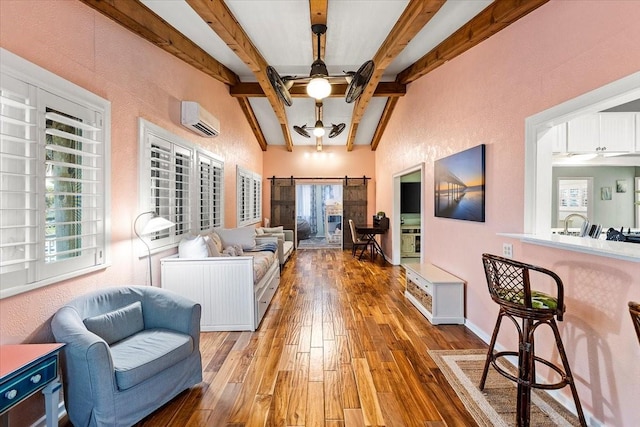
<point>152,134</point>
<point>248,197</point>
<point>93,152</point>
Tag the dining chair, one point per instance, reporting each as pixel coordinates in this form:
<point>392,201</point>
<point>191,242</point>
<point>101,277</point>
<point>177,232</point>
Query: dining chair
<point>359,242</point>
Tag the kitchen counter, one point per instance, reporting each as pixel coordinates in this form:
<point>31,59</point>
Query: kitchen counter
<point>600,247</point>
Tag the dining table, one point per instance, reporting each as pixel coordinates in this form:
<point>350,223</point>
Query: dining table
<point>369,233</point>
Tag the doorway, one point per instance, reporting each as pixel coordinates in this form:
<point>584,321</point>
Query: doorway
<point>407,228</point>
<point>319,221</point>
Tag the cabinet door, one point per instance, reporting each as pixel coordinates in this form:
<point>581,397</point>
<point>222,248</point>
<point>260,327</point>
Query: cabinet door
<point>617,132</point>
<point>558,135</point>
<point>407,245</point>
<point>637,138</point>
<point>583,134</point>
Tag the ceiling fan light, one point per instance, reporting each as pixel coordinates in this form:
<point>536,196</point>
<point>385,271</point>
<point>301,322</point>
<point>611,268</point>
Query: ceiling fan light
<point>318,129</point>
<point>319,88</point>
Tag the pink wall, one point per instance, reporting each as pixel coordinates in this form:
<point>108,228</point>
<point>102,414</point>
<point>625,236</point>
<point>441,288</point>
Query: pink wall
<point>141,80</point>
<point>556,53</point>
<point>306,162</point>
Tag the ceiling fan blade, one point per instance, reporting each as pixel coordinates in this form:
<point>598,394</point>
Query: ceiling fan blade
<point>279,86</point>
<point>359,81</point>
<point>301,130</point>
<point>336,129</point>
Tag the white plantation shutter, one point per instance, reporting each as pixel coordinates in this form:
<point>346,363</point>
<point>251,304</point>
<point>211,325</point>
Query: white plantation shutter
<point>53,178</point>
<point>249,196</point>
<point>210,189</point>
<point>18,184</point>
<point>180,182</point>
<point>169,173</point>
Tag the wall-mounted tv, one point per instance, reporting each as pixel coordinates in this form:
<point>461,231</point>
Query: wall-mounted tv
<point>409,197</point>
<point>459,185</point>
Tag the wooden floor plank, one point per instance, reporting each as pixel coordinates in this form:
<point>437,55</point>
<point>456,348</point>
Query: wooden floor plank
<point>340,346</point>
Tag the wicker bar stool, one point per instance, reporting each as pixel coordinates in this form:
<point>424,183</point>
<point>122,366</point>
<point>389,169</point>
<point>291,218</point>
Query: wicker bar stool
<point>510,287</point>
<point>634,311</point>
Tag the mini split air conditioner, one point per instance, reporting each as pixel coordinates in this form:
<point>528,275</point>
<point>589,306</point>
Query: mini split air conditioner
<point>199,120</point>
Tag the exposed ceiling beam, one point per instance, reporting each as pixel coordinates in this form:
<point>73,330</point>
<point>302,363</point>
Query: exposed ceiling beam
<point>218,16</point>
<point>139,19</point>
<point>253,122</point>
<point>413,19</point>
<point>136,17</point>
<point>254,90</point>
<point>495,17</point>
<point>384,120</point>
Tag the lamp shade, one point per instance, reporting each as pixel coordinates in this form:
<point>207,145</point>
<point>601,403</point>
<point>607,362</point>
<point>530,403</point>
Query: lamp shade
<point>318,129</point>
<point>319,88</point>
<point>155,224</point>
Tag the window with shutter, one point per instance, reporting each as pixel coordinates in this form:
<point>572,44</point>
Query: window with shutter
<point>53,179</point>
<point>210,175</point>
<point>249,194</point>
<point>179,181</point>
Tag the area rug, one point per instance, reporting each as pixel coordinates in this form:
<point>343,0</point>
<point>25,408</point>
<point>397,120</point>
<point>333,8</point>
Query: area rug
<point>496,405</point>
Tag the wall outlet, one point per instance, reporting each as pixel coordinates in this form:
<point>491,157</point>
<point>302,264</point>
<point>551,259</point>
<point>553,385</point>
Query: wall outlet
<point>507,250</point>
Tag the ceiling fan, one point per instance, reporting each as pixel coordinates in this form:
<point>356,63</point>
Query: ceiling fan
<point>319,129</point>
<point>319,80</point>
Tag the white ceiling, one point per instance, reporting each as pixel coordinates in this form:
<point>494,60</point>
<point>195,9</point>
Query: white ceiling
<point>281,32</point>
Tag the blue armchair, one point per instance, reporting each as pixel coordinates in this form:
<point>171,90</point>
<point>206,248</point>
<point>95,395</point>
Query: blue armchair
<point>129,350</point>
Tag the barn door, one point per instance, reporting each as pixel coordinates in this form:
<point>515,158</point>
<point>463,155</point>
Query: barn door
<point>283,203</point>
<point>354,199</point>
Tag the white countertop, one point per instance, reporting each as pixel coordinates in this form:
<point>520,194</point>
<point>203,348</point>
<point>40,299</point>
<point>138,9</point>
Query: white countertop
<point>600,247</point>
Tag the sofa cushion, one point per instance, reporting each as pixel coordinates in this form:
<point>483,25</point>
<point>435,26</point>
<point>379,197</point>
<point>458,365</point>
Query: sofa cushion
<point>118,324</point>
<point>193,247</point>
<point>243,236</point>
<point>143,355</point>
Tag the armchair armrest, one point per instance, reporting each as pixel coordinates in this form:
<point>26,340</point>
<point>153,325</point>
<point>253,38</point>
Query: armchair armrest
<point>185,313</point>
<point>288,235</point>
<point>87,360</point>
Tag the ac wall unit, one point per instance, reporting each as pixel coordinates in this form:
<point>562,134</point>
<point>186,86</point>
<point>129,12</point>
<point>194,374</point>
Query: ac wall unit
<point>199,120</point>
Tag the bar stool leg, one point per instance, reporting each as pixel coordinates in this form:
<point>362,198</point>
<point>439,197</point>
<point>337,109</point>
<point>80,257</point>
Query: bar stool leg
<point>492,345</point>
<point>567,371</point>
<point>525,369</point>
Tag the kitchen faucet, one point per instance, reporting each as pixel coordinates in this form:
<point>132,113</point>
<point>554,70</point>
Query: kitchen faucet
<point>568,218</point>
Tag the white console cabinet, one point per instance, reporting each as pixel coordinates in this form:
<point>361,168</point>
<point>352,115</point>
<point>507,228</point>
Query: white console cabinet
<point>438,295</point>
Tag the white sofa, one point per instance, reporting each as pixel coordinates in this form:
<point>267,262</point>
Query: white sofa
<point>285,240</point>
<point>234,291</point>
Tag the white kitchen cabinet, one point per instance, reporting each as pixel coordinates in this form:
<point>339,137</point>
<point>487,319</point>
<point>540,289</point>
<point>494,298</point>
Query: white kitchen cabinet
<point>637,133</point>
<point>583,134</point>
<point>558,137</point>
<point>602,133</point>
<point>617,132</point>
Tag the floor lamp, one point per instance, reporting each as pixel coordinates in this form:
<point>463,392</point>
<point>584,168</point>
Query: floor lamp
<point>155,224</point>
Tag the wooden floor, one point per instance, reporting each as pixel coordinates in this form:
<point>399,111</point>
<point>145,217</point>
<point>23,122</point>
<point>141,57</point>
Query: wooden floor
<point>339,346</point>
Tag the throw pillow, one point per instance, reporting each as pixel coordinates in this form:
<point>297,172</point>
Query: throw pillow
<point>193,247</point>
<point>211,245</point>
<point>259,231</point>
<point>243,236</point>
<point>217,241</point>
<point>118,324</point>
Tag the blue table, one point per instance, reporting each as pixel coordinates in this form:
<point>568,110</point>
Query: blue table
<point>26,369</point>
